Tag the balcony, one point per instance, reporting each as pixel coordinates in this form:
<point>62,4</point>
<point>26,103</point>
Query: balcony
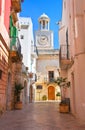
<point>16,5</point>
<point>15,47</point>
<point>15,50</point>
<point>65,59</point>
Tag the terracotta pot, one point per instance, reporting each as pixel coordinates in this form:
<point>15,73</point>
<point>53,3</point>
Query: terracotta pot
<point>63,108</point>
<point>30,75</point>
<point>18,105</point>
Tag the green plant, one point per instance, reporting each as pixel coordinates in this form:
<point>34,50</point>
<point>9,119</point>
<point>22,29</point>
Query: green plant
<point>58,94</point>
<point>62,82</point>
<point>44,97</point>
<point>18,89</point>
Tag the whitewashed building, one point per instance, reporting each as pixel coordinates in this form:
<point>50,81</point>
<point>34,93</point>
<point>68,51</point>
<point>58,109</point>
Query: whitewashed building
<point>27,41</point>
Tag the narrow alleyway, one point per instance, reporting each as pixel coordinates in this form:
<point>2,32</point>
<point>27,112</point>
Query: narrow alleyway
<point>39,116</point>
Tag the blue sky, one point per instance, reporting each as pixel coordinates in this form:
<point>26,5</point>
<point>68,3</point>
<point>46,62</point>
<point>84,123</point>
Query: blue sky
<point>52,8</point>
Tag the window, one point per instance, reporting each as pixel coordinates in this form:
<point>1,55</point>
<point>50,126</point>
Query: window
<point>39,86</point>
<point>67,44</point>
<point>67,36</point>
<point>22,36</point>
<point>51,75</point>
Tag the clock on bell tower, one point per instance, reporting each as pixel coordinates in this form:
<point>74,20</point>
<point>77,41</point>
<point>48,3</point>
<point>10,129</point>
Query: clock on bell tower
<point>44,36</point>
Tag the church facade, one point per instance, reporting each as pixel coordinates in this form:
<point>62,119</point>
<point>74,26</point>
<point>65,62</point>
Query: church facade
<point>47,62</point>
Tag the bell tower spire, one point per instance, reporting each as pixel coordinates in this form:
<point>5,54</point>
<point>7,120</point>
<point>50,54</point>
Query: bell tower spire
<point>43,22</point>
<point>44,36</point>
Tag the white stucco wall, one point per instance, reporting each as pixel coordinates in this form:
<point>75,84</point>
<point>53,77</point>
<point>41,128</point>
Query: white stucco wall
<point>26,30</point>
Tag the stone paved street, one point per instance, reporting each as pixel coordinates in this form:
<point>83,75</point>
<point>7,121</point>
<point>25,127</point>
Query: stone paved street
<point>39,116</point>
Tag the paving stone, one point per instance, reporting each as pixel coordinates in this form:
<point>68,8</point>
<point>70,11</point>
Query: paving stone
<point>39,116</point>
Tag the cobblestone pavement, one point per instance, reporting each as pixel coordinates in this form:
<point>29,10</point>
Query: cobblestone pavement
<point>39,116</point>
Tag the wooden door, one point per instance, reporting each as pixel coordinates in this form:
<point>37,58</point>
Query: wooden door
<point>51,93</point>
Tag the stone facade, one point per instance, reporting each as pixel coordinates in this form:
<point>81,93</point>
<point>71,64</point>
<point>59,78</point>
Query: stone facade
<point>47,62</point>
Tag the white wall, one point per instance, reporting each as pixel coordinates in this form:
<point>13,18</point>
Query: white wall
<point>26,29</point>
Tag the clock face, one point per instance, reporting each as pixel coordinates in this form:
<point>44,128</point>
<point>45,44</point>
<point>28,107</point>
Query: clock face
<point>43,40</point>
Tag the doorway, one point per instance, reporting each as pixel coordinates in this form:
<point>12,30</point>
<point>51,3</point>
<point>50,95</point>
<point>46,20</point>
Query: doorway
<point>25,91</point>
<point>51,93</point>
<point>31,93</point>
<point>8,93</point>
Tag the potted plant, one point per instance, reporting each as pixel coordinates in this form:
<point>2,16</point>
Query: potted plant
<point>17,92</point>
<point>64,105</point>
<point>44,97</point>
<point>58,95</point>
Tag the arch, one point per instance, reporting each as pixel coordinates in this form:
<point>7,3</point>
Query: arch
<point>31,93</point>
<point>51,93</point>
<point>8,92</point>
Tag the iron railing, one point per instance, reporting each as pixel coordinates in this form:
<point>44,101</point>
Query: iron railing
<point>65,52</point>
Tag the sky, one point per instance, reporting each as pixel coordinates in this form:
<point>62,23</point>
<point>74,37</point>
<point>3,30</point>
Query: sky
<point>35,8</point>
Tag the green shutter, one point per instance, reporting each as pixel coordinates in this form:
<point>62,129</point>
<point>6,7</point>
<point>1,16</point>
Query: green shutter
<point>13,34</point>
<point>13,31</point>
<point>11,23</point>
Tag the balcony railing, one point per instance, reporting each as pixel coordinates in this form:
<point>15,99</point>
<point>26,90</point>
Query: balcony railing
<point>15,50</point>
<point>65,59</point>
<point>65,52</point>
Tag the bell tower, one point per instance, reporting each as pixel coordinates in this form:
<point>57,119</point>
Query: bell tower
<point>47,62</point>
<point>44,22</point>
<point>44,36</point>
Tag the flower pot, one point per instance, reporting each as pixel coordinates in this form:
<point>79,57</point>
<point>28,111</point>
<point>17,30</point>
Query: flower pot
<point>18,105</point>
<point>63,108</point>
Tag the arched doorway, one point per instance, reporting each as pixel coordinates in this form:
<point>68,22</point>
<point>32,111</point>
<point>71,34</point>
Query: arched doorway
<point>51,93</point>
<point>31,93</point>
